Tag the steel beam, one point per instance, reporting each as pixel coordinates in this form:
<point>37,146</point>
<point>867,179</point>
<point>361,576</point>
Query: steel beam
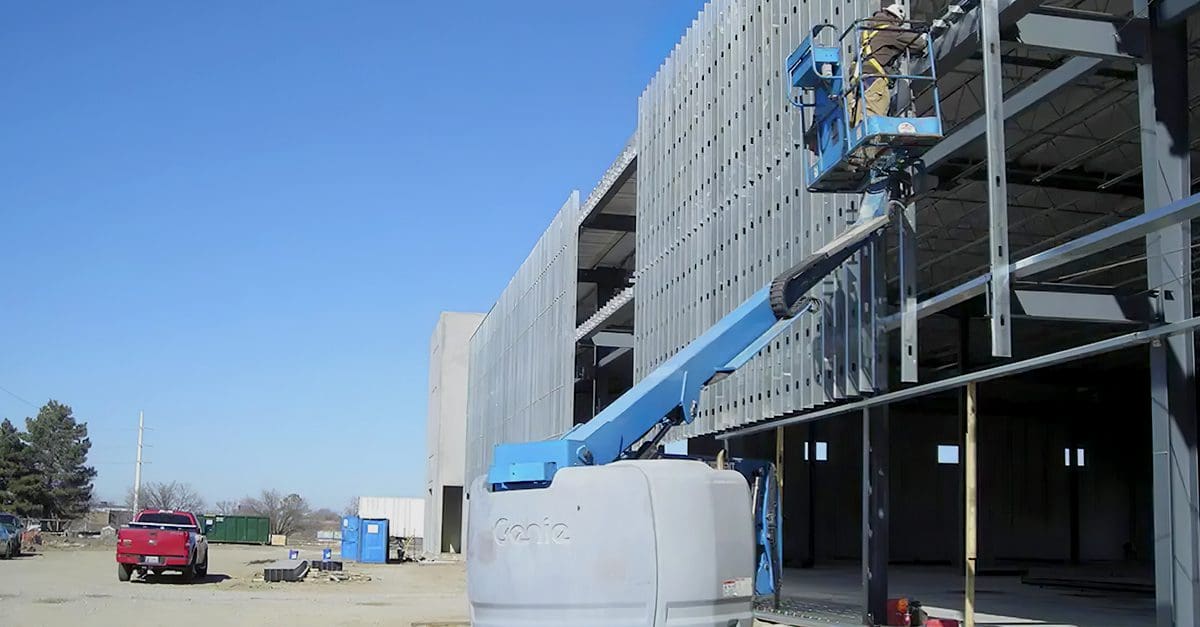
<point>613,339</point>
<point>1076,179</point>
<point>999,308</point>
<point>1080,36</point>
<point>961,39</point>
<point>1039,90</point>
<point>1050,64</point>
<point>1173,12</point>
<point>597,320</point>
<point>1128,230</point>
<point>606,276</point>
<point>1120,342</point>
<point>611,357</point>
<point>1081,305</point>
<point>610,222</point>
<point>1163,114</point>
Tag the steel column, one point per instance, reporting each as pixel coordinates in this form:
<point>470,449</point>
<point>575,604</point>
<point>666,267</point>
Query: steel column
<point>971,472</point>
<point>964,365</point>
<point>875,514</point>
<point>993,90</point>
<point>1163,109</point>
<point>908,293</point>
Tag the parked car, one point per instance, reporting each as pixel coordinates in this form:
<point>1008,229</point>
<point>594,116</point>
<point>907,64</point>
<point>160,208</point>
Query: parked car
<point>162,540</point>
<point>9,547</point>
<point>12,524</point>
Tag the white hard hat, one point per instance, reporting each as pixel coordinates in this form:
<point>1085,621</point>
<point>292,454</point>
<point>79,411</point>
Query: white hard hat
<point>896,9</point>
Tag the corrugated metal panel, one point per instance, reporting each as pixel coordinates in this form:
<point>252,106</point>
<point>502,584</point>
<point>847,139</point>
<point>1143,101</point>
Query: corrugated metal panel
<point>520,386</point>
<point>406,516</point>
<point>721,209</point>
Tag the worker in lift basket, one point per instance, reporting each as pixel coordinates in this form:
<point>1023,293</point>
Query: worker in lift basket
<point>883,45</point>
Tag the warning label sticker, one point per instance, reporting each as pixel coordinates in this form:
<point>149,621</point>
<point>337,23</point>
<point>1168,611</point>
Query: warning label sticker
<point>740,587</point>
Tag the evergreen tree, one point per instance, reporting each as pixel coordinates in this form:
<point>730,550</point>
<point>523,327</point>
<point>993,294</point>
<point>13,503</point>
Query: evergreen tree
<point>60,447</point>
<point>20,485</point>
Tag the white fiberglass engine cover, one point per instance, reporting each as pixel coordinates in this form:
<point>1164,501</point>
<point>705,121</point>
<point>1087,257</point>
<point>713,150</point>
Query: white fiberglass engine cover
<point>648,542</point>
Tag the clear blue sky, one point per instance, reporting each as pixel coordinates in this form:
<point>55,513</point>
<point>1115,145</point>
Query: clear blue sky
<point>244,217</point>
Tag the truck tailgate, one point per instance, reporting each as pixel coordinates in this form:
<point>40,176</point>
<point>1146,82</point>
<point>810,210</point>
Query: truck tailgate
<point>164,542</point>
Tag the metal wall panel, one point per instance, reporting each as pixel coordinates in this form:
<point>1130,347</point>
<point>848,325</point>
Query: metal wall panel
<point>520,386</point>
<point>722,208</point>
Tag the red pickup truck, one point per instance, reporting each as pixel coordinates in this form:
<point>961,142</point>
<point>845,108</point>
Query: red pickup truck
<point>160,540</point>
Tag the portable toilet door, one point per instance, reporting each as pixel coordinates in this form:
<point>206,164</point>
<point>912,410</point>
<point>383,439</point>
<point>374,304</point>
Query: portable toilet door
<point>351,546</point>
<point>375,540</point>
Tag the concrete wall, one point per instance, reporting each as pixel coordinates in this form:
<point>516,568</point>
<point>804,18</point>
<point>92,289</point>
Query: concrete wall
<point>446,427</point>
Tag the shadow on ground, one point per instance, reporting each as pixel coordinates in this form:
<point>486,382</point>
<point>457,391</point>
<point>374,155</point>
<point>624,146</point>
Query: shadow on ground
<point>174,579</point>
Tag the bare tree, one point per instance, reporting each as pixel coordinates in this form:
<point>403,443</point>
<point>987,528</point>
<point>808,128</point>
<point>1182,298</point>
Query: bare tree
<point>228,507</point>
<point>351,508</point>
<point>286,513</point>
<point>168,495</point>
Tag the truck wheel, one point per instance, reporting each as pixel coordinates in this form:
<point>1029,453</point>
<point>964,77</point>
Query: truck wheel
<point>202,569</point>
<point>189,572</point>
<point>124,572</point>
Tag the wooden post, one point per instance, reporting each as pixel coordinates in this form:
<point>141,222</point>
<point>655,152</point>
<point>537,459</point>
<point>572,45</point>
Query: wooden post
<point>970,469</point>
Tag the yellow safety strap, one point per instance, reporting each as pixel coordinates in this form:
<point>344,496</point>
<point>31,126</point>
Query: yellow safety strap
<point>867,56</point>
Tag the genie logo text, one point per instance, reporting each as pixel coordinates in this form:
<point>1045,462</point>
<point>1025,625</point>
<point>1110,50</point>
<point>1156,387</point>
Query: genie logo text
<point>507,532</point>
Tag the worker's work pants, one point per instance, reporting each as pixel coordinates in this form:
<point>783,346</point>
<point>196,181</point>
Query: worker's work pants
<point>877,99</point>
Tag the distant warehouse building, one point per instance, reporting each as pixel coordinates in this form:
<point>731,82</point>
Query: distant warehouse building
<point>446,431</point>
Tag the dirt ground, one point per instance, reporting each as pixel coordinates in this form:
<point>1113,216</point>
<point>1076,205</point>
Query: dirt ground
<point>78,586</point>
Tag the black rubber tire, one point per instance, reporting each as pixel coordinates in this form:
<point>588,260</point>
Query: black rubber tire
<point>124,572</point>
<point>202,569</point>
<point>189,572</point>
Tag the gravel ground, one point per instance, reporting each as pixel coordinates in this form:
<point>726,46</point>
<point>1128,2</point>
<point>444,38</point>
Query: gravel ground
<point>78,586</point>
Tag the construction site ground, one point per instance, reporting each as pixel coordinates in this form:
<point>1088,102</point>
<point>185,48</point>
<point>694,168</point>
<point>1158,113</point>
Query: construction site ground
<point>62,585</point>
<point>77,585</point>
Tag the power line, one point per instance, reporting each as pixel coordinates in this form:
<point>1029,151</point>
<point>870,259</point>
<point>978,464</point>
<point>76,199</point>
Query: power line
<point>17,396</point>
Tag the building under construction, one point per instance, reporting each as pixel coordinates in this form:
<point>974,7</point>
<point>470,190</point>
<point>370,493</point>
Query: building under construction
<point>1004,384</point>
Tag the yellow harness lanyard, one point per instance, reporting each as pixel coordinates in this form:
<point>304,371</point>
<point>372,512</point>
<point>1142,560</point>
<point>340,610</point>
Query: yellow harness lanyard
<point>868,56</point>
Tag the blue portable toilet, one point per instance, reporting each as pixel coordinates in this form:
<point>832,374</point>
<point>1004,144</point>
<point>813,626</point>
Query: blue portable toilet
<point>374,540</point>
<point>351,546</point>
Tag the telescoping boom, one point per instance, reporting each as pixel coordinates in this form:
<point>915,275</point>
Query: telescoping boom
<point>588,529</point>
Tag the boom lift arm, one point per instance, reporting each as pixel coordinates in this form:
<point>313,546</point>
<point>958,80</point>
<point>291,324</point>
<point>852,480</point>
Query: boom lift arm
<point>669,395</point>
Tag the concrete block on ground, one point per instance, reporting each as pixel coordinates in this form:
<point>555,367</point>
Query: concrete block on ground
<point>286,570</point>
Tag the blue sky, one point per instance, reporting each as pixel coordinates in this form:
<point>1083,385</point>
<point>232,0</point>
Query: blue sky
<point>244,218</point>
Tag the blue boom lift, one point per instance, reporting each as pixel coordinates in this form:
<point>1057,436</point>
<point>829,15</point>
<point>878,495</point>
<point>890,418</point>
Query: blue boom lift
<point>598,526</point>
<point>851,152</point>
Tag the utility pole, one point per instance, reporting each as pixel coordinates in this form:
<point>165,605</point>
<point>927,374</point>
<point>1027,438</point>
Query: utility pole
<point>137,473</point>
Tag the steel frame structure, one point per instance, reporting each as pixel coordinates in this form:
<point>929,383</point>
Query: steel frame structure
<point>1069,140</point>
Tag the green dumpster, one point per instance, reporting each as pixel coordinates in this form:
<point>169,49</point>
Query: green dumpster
<point>229,529</point>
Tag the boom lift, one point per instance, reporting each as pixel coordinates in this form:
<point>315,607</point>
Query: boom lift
<point>586,529</point>
<point>850,152</point>
<point>597,527</point>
